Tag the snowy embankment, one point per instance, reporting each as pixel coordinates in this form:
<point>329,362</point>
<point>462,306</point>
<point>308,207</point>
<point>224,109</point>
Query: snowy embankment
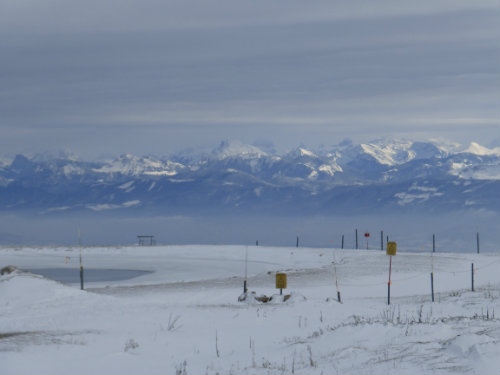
<point>183,316</point>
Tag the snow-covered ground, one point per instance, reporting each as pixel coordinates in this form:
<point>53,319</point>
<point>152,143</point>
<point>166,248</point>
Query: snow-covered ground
<point>184,317</point>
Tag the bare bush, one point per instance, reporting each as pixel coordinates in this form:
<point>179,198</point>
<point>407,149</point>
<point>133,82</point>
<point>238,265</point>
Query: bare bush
<point>172,321</point>
<point>181,369</point>
<point>130,344</point>
<point>311,361</point>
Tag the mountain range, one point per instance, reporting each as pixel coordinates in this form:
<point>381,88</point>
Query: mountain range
<point>380,176</point>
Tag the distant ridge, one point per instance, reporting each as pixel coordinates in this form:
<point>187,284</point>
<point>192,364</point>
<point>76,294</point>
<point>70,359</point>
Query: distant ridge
<point>386,175</point>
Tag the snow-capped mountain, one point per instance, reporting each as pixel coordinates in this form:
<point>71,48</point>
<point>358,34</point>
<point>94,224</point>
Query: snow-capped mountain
<point>383,175</point>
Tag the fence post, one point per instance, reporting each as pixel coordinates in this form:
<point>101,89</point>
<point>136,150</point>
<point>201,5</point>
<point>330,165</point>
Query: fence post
<point>81,278</point>
<point>81,261</point>
<point>477,240</point>
<point>472,275</point>
<point>432,286</point>
<point>389,283</point>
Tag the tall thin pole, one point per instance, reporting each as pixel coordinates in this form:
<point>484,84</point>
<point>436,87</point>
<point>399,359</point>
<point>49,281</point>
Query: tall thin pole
<point>433,243</point>
<point>381,240</point>
<point>432,276</point>
<point>336,278</point>
<point>477,240</point>
<point>389,283</point>
<point>472,275</point>
<point>342,241</point>
<point>432,286</point>
<point>297,241</point>
<point>356,238</point>
<point>81,262</point>
<point>246,262</point>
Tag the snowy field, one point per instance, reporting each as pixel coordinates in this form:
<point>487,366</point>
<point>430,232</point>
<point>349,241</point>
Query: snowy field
<point>183,316</point>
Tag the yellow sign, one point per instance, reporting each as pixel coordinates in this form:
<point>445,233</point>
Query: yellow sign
<point>391,248</point>
<point>280,280</point>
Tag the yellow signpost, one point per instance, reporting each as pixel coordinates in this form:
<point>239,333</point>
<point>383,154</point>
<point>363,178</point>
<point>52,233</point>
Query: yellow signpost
<point>280,281</point>
<point>391,248</point>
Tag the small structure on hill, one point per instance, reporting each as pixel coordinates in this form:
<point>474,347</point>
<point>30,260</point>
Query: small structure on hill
<point>146,240</point>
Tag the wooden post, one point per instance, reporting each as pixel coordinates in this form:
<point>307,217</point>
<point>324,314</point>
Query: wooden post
<point>245,289</point>
<point>389,283</point>
<point>432,276</point>
<point>356,238</point>
<point>477,241</point>
<point>432,286</point>
<point>336,278</point>
<point>81,261</point>
<point>472,275</point>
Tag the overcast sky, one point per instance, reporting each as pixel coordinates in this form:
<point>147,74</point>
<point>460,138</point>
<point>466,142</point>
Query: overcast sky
<point>109,77</point>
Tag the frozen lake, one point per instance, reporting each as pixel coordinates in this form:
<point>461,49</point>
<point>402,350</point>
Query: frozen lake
<point>69,275</point>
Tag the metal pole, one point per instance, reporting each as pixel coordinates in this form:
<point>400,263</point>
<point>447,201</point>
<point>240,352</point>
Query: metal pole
<point>342,241</point>
<point>356,238</point>
<point>433,243</point>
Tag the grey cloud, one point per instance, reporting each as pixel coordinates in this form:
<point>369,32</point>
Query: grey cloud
<point>130,72</point>
<point>61,16</point>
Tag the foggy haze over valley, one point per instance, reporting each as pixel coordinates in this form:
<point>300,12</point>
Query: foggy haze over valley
<point>241,193</point>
